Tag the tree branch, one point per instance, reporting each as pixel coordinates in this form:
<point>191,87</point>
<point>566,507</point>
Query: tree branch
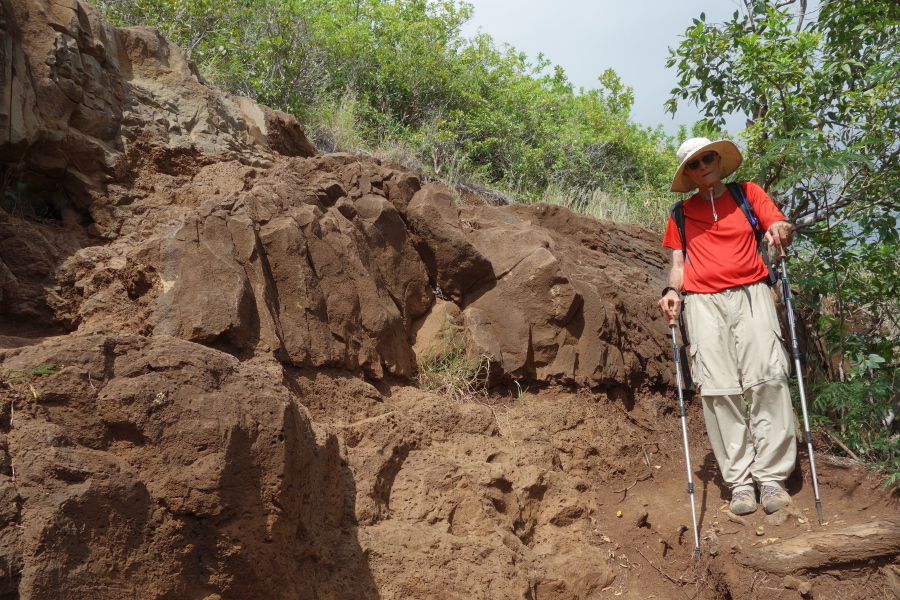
<point>750,14</point>
<point>804,223</point>
<point>802,15</point>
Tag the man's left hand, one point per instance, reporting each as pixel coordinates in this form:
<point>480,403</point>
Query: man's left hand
<point>780,234</point>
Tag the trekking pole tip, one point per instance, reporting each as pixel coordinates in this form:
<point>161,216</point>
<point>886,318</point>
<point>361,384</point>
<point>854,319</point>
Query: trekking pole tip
<point>819,510</point>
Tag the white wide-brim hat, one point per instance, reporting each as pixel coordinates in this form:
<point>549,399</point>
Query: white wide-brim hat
<point>694,147</point>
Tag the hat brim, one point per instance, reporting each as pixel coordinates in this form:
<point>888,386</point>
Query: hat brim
<point>728,153</point>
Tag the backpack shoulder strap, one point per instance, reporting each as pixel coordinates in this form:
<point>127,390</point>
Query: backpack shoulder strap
<point>677,212</point>
<point>740,198</point>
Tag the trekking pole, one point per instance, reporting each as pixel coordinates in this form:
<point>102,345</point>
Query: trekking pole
<point>789,309</point>
<point>687,453</point>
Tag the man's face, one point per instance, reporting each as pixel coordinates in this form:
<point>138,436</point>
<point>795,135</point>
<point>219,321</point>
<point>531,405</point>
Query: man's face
<point>706,171</point>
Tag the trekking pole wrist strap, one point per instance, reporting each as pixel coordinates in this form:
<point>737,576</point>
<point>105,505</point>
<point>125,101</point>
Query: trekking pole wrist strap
<point>668,289</point>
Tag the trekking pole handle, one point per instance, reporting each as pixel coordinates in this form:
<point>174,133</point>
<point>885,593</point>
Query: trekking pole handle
<point>672,322</point>
<point>781,253</point>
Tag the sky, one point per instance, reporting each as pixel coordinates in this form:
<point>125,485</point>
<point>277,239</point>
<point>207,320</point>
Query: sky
<point>586,37</point>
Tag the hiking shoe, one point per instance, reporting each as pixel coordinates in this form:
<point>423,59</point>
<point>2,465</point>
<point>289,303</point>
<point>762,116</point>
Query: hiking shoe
<point>743,502</point>
<point>773,497</point>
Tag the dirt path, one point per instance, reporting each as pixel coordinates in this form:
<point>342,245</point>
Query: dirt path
<point>653,538</point>
<point>627,454</point>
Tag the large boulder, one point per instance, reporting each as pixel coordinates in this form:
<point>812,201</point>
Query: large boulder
<point>546,293</point>
<point>453,263</point>
<point>569,298</point>
<point>151,468</point>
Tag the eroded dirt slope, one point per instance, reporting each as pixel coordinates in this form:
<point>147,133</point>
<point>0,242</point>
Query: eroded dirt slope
<point>158,468</point>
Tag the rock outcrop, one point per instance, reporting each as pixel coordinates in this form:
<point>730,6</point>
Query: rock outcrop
<point>83,100</point>
<point>210,218</point>
<point>86,110</point>
<point>313,263</point>
<point>160,468</point>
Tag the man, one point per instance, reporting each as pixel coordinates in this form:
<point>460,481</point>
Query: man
<point>738,359</point>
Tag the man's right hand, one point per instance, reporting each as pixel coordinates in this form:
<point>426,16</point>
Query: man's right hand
<point>670,304</point>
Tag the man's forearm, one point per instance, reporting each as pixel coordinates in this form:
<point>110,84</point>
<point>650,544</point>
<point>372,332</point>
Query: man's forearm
<point>676,278</point>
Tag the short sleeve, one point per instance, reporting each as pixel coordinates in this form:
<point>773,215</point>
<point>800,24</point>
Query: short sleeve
<point>671,238</point>
<point>765,209</point>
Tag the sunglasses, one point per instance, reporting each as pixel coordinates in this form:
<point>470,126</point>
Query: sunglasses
<point>707,159</point>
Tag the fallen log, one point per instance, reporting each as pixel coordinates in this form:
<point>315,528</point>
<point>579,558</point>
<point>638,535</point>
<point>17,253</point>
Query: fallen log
<point>892,576</point>
<point>824,549</point>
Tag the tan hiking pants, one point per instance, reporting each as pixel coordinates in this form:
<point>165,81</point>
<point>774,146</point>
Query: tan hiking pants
<point>742,368</point>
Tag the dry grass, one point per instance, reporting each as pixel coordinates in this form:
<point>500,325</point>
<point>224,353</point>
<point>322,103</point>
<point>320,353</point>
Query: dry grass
<point>646,208</point>
<point>335,127</point>
<point>452,369</point>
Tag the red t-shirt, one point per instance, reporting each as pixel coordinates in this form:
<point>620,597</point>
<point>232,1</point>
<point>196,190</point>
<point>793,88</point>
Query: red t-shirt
<point>722,253</point>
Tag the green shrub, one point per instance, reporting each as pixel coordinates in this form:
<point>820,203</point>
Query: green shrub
<point>863,411</point>
<point>849,288</point>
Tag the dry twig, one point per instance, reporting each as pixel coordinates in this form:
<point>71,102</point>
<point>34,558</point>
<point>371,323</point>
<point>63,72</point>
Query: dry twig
<point>678,582</point>
<point>834,438</point>
<point>636,480</point>
<point>624,491</point>
<point>736,519</point>
<point>661,572</point>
